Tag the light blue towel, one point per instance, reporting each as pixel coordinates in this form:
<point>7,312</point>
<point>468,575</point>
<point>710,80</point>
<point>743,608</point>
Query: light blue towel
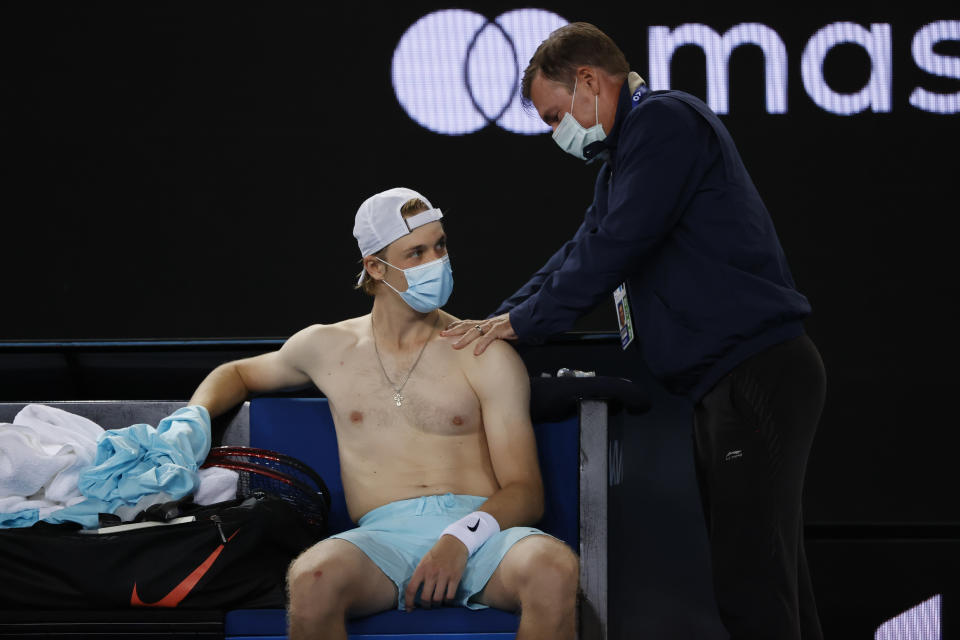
<point>23,518</point>
<point>141,460</point>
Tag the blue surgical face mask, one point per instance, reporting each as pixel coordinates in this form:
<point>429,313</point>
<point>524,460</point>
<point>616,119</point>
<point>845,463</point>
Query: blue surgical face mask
<point>428,285</point>
<point>572,136</point>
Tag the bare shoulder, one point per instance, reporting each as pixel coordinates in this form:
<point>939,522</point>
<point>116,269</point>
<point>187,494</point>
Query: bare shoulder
<point>318,339</point>
<point>499,358</point>
<point>499,364</point>
<point>498,353</point>
<point>337,332</point>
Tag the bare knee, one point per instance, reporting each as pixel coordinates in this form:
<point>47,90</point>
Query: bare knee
<point>318,583</point>
<point>548,574</point>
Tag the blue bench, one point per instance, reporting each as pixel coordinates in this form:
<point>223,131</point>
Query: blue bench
<point>303,427</point>
<point>572,438</point>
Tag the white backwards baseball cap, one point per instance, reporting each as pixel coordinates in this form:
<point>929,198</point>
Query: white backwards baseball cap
<point>379,221</point>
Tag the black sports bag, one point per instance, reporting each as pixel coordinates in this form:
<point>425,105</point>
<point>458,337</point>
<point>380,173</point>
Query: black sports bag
<point>223,556</point>
<point>233,555</point>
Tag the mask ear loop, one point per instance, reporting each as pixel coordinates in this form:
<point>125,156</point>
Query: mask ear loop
<point>384,281</point>
<point>388,264</point>
<point>596,101</point>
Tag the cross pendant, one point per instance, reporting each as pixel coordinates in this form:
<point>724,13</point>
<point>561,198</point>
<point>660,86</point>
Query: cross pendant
<point>398,398</point>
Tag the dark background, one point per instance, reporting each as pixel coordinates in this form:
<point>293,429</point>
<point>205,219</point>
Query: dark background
<point>191,171</point>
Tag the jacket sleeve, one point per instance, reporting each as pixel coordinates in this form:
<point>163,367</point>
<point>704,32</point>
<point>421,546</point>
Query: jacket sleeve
<point>536,281</point>
<point>658,162</point>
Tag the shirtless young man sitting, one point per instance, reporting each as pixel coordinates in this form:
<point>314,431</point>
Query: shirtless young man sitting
<point>437,452</point>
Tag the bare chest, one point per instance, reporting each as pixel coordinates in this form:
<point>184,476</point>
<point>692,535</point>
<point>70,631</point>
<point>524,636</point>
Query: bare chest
<point>434,399</point>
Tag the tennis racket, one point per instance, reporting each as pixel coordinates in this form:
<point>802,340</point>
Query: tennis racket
<point>278,474</point>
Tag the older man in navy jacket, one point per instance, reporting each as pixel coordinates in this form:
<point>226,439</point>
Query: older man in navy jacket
<point>677,220</point>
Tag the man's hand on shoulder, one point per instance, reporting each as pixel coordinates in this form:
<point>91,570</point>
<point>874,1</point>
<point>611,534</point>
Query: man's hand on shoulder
<point>484,332</point>
<point>439,572</point>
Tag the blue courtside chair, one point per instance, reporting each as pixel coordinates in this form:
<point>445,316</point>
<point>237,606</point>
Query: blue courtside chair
<point>303,428</point>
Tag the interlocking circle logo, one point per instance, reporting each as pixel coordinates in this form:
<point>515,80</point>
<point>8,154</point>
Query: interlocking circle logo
<point>455,71</point>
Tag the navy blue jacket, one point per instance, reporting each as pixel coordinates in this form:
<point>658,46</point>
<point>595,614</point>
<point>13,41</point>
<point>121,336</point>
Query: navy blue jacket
<point>676,216</point>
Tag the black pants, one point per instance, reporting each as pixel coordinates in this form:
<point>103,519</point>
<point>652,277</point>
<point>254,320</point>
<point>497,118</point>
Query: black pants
<point>752,436</point>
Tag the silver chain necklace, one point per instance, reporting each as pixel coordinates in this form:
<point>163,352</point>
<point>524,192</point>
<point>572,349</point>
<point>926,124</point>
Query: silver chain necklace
<point>397,395</point>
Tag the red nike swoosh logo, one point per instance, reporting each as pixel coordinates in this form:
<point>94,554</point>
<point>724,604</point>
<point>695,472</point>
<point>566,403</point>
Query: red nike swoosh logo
<point>179,592</point>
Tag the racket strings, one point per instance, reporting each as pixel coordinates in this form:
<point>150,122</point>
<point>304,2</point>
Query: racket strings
<point>261,470</point>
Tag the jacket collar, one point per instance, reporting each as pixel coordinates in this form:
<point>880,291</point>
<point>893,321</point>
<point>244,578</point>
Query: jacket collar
<point>605,149</point>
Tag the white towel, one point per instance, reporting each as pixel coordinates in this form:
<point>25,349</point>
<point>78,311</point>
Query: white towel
<point>216,485</point>
<point>42,454</point>
<point>44,450</point>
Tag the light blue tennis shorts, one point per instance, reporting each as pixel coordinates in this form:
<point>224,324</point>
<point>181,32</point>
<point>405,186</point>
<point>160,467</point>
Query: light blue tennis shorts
<point>397,535</point>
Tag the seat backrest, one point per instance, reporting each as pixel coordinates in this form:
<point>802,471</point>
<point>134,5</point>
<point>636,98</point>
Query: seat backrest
<point>303,428</point>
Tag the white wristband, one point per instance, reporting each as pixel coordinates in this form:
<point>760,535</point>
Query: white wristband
<point>473,530</point>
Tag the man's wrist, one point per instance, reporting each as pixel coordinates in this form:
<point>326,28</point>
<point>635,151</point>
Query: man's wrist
<point>473,530</point>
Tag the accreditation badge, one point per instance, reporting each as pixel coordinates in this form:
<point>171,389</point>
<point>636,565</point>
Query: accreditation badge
<point>624,320</point>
